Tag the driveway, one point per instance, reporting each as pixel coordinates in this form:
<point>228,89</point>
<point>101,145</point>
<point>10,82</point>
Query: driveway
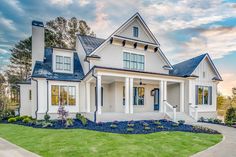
<point>8,149</point>
<point>226,148</point>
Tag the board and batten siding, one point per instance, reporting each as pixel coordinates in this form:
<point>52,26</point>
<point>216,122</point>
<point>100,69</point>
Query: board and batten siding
<point>204,66</point>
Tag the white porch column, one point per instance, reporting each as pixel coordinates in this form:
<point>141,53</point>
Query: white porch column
<point>161,96</point>
<point>165,90</point>
<point>190,88</point>
<point>99,111</point>
<point>131,97</point>
<point>127,95</point>
<point>181,97</point>
<point>88,96</point>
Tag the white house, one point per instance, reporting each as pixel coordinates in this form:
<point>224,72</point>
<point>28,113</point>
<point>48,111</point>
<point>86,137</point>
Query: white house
<point>123,77</point>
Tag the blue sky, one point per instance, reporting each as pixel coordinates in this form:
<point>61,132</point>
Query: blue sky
<point>184,28</point>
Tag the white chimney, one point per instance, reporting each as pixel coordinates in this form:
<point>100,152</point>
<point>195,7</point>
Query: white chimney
<point>37,42</point>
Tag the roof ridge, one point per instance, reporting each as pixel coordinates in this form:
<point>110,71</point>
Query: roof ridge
<point>90,36</point>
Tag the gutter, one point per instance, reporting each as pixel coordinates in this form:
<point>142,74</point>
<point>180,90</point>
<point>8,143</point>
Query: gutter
<point>37,103</point>
<point>47,99</point>
<point>96,98</point>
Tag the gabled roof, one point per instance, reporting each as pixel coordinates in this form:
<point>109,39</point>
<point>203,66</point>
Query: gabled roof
<point>44,69</point>
<point>186,68</point>
<point>90,43</point>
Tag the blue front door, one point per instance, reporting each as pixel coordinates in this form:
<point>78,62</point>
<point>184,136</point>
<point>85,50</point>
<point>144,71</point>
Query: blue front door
<point>156,99</point>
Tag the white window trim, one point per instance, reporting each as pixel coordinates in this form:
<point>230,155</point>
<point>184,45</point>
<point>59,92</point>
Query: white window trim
<point>63,54</point>
<point>134,52</point>
<point>208,101</point>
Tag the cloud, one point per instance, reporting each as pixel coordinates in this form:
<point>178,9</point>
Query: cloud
<point>229,82</point>
<point>61,3</point>
<point>15,4</point>
<point>7,23</point>
<point>218,42</point>
<point>3,51</point>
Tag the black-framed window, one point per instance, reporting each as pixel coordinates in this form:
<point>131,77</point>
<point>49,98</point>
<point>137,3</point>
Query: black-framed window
<point>138,98</point>
<point>135,31</point>
<point>203,95</point>
<point>101,95</point>
<point>133,61</point>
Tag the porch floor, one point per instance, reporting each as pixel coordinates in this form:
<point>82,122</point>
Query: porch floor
<point>114,116</point>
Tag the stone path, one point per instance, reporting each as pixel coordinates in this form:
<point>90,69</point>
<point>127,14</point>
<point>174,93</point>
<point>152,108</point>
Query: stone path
<point>226,148</point>
<point>8,149</point>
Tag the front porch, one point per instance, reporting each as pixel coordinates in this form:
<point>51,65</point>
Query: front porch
<point>116,95</point>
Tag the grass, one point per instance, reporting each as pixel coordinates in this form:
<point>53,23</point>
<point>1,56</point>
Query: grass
<point>86,143</point>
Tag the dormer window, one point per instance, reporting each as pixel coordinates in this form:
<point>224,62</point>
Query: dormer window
<point>135,31</point>
<point>63,63</point>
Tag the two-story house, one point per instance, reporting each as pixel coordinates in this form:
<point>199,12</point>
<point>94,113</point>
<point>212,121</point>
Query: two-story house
<point>123,77</point>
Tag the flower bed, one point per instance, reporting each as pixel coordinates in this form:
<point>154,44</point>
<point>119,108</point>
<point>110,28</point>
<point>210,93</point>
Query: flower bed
<point>217,121</point>
<point>122,127</point>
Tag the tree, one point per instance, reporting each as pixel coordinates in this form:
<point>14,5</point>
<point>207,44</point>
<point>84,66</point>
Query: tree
<point>2,92</point>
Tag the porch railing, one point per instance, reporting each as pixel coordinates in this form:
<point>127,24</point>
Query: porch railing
<point>193,111</point>
<point>170,111</point>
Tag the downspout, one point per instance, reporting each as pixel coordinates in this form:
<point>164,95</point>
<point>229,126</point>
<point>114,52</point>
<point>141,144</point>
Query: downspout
<point>86,60</point>
<point>96,102</point>
<point>47,99</point>
<point>37,105</point>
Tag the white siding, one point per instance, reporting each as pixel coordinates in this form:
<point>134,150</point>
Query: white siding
<point>25,102</point>
<point>173,95</point>
<point>143,35</point>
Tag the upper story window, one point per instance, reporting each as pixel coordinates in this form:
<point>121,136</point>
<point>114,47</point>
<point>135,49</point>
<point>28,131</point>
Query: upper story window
<point>63,63</point>
<point>133,61</point>
<point>135,31</point>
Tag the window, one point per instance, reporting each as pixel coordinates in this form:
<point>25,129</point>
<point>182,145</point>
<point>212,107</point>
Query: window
<point>135,31</point>
<point>204,95</point>
<point>133,61</point>
<point>63,63</point>
<point>30,95</point>
<point>63,95</point>
<point>138,95</point>
<point>101,95</point>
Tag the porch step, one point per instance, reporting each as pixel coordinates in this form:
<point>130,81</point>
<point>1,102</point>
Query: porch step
<point>185,117</point>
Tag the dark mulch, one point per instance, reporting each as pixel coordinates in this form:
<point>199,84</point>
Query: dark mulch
<point>121,126</point>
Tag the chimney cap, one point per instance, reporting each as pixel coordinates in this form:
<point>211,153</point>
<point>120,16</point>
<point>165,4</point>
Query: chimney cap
<point>37,23</point>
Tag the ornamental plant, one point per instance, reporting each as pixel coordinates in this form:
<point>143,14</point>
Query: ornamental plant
<point>47,117</point>
<point>69,122</point>
<point>63,114</point>
<point>11,120</point>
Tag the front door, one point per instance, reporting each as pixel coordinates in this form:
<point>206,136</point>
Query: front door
<point>156,99</point>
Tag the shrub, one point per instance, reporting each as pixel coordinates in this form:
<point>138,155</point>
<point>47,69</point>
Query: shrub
<point>229,123</point>
<point>130,125</point>
<point>84,121</point>
<point>145,124</point>
<point>63,114</point>
<point>6,114</point>
<point>130,129</point>
<point>78,116</point>
<point>26,120</point>
<point>18,118</point>
<point>113,126</point>
<point>181,122</point>
<point>47,117</point>
<point>157,122</point>
<point>11,120</point>
<point>202,119</point>
<point>175,125</point>
<point>230,114</point>
<point>210,120</point>
<point>69,122</point>
<point>46,124</point>
<point>160,127</point>
<point>147,128</point>
<point>217,121</point>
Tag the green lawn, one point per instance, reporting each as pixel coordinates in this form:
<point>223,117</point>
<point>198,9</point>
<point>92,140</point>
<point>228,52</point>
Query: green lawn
<point>77,142</point>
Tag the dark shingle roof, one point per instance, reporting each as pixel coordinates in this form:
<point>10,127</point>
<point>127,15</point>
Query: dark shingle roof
<point>90,43</point>
<point>44,69</point>
<point>187,67</point>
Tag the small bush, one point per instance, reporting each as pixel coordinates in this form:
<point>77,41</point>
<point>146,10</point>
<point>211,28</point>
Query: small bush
<point>46,124</point>
<point>229,123</point>
<point>147,128</point>
<point>69,122</point>
<point>130,129</point>
<point>130,125</point>
<point>210,120</point>
<point>157,122</point>
<point>181,122</point>
<point>160,127</point>
<point>26,120</point>
<point>11,120</point>
<point>78,116</point>
<point>47,117</point>
<point>217,121</point>
<point>113,126</point>
<point>84,121</point>
<point>18,118</point>
<point>145,124</point>
<point>202,119</point>
<point>230,115</point>
<point>175,125</point>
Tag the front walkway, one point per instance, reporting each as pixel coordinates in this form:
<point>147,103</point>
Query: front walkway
<point>226,148</point>
<point>8,149</point>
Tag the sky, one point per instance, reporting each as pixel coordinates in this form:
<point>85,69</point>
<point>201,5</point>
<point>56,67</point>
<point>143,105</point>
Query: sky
<point>184,29</point>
